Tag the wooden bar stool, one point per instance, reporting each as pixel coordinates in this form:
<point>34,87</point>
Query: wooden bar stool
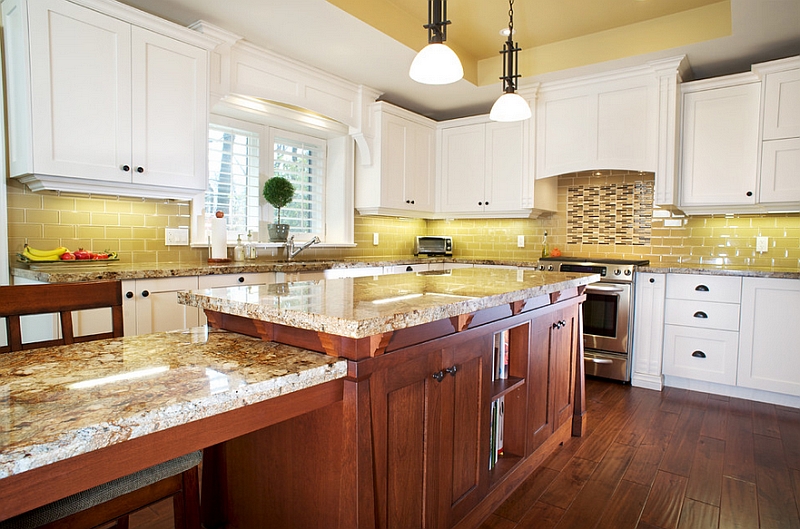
<point>116,500</point>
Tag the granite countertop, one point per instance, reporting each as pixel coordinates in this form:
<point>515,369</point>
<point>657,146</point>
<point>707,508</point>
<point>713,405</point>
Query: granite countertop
<point>366,306</point>
<point>60,402</point>
<point>722,270</point>
<point>74,271</point>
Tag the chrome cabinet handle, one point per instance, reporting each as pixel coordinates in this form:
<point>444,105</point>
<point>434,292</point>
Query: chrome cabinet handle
<point>699,354</point>
<point>600,360</point>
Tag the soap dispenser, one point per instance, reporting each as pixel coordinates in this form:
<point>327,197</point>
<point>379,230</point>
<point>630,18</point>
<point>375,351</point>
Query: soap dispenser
<point>250,251</point>
<point>545,249</point>
<point>238,250</point>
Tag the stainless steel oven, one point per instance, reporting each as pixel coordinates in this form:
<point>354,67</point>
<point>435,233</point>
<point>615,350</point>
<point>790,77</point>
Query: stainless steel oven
<point>607,313</point>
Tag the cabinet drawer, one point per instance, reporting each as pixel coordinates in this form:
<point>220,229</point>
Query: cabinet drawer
<point>701,354</point>
<point>724,289</point>
<point>703,314</point>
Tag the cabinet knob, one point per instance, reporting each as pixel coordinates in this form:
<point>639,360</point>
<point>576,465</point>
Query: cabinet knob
<point>438,376</point>
<point>241,280</point>
<point>145,293</point>
<point>486,203</point>
<point>480,203</point>
<point>140,169</point>
<point>129,294</point>
<point>749,193</point>
<point>409,268</point>
<point>701,288</point>
<point>652,280</point>
<point>126,168</point>
<point>452,370</point>
<point>699,354</point>
<point>700,314</point>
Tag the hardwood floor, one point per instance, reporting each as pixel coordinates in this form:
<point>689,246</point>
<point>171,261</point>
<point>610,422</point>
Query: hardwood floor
<point>672,460</point>
<point>675,459</point>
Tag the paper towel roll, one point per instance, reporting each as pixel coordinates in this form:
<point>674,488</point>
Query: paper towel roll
<point>219,236</point>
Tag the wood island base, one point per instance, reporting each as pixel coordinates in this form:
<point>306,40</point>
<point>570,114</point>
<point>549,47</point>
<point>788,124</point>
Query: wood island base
<point>411,443</point>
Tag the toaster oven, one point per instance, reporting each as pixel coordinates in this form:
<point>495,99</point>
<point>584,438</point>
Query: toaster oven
<point>433,245</point>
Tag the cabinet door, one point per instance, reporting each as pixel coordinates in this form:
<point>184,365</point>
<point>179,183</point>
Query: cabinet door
<point>406,417</point>
<point>782,105</point>
<point>81,92</point>
<point>420,168</point>
<point>463,168</point>
<point>540,416</point>
<point>465,427</point>
<point>720,146</point>
<point>504,166</point>
<point>170,112</point>
<point>769,335</point>
<point>780,167</point>
<point>564,346</point>
<point>157,307</point>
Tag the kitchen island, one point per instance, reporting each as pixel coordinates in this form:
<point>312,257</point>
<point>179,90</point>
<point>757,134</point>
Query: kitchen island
<point>76,416</point>
<point>437,362</point>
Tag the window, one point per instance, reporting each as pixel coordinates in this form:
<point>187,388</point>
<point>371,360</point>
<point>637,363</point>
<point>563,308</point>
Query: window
<point>233,181</point>
<point>242,156</point>
<point>301,160</point>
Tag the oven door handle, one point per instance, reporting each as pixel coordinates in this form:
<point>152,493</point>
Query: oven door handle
<point>594,288</point>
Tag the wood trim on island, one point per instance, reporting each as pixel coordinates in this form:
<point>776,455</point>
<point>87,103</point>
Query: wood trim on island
<point>409,443</point>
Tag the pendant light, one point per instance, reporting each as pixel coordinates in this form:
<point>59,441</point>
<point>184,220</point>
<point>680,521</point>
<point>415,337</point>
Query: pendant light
<point>510,106</point>
<point>436,63</point>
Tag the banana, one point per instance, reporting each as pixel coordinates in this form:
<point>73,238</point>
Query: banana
<point>32,254</point>
<point>46,253</point>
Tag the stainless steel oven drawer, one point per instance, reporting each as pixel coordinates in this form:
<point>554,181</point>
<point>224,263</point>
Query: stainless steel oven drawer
<point>606,365</point>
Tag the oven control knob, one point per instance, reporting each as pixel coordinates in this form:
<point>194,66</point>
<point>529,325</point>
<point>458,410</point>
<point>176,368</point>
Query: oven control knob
<point>617,272</point>
<point>541,267</point>
<point>550,268</point>
<point>627,272</point>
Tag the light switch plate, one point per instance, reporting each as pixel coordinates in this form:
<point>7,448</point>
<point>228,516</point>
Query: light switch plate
<point>520,241</point>
<point>375,239</point>
<point>762,244</point>
<point>176,236</point>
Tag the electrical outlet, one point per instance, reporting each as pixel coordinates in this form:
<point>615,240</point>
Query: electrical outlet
<point>762,244</point>
<point>375,239</point>
<point>176,236</point>
<point>520,241</point>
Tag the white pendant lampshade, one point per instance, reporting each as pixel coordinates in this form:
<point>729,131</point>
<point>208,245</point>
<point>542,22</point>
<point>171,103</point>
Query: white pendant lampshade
<point>436,63</point>
<point>510,107</point>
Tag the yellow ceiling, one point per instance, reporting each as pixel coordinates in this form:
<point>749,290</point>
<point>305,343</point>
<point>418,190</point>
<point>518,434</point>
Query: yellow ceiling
<point>553,34</point>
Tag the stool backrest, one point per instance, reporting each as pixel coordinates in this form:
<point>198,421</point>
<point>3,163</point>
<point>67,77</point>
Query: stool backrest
<point>61,299</point>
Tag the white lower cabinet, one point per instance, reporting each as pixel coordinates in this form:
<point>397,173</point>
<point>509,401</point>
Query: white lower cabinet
<point>700,354</point>
<point>648,332</point>
<point>701,330</point>
<point>768,357</point>
<point>151,305</point>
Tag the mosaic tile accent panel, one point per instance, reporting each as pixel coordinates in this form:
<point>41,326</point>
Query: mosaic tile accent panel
<point>610,214</point>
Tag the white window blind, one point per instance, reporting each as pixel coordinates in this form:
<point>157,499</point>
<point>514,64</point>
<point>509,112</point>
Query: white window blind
<point>301,160</point>
<point>233,180</point>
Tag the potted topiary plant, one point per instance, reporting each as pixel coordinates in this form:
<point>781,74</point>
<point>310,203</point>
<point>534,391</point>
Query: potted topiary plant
<point>278,191</point>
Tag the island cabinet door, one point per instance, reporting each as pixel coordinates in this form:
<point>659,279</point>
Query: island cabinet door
<point>551,374</point>
<point>430,433</point>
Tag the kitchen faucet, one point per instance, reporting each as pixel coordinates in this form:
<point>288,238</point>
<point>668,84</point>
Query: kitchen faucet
<point>291,251</point>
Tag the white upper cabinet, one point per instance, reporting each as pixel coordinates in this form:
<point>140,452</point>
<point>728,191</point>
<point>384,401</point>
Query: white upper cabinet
<point>401,178</point>
<point>99,104</point>
<point>780,150</point>
<point>598,124</point>
<point>483,170</point>
<point>719,164</point>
